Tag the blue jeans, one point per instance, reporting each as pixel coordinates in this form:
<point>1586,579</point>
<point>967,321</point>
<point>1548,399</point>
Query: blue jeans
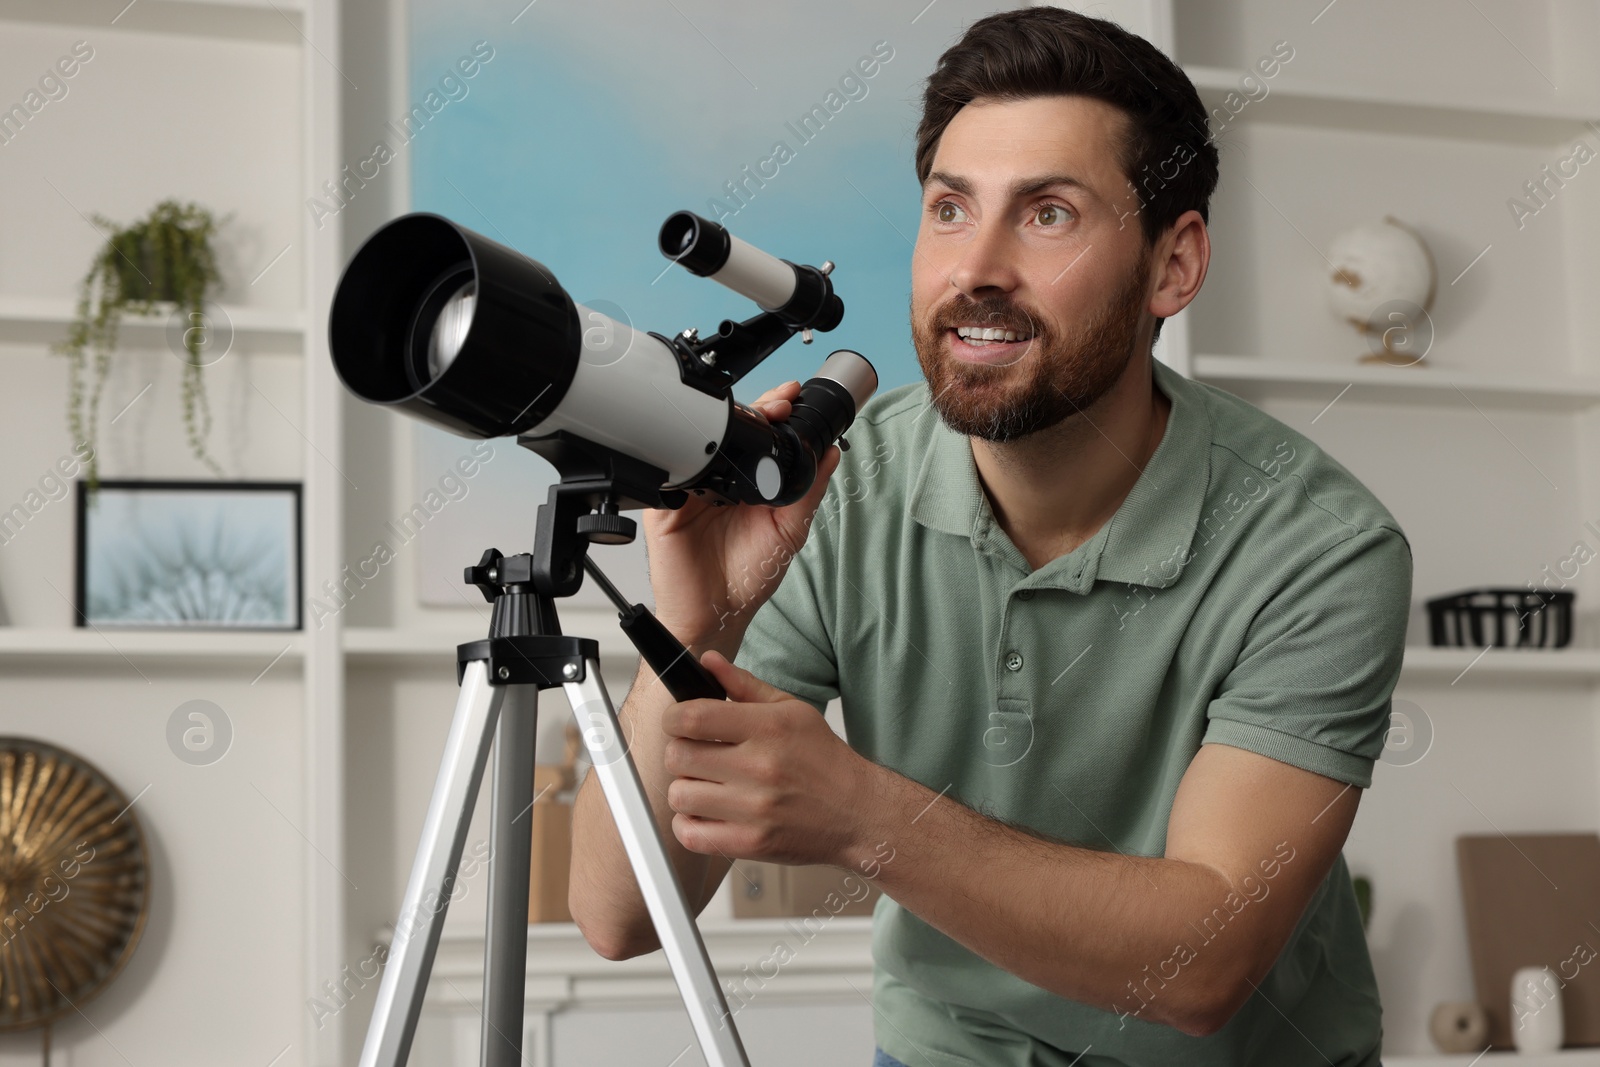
<point>883,1059</point>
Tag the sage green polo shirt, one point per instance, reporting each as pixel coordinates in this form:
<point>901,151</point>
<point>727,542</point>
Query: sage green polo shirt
<point>1249,591</point>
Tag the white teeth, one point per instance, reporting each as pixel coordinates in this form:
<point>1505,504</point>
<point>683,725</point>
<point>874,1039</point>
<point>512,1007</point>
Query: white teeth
<point>990,333</point>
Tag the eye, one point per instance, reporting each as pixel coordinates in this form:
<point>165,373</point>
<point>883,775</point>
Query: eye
<point>1051,215</point>
<point>948,213</point>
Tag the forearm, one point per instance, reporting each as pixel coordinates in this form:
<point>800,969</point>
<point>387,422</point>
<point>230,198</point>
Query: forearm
<point>1096,927</point>
<point>603,893</point>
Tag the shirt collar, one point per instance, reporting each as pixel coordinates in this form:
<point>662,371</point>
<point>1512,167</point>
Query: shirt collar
<point>1147,540</point>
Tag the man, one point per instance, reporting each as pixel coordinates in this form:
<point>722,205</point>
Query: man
<point>1115,649</point>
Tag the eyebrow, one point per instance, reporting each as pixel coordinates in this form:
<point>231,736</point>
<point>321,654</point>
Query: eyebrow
<point>1020,187</point>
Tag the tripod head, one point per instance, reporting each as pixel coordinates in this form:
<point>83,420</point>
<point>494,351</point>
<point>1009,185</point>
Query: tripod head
<point>582,509</point>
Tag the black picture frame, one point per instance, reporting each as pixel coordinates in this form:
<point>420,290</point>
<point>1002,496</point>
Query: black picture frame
<point>204,607</point>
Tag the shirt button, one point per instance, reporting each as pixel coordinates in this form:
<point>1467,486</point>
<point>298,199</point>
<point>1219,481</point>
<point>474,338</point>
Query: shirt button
<point>1025,594</point>
<point>1013,660</point>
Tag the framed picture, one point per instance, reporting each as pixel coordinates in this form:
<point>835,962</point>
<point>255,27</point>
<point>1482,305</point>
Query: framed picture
<point>189,555</point>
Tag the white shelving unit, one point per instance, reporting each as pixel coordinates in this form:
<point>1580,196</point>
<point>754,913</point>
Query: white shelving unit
<point>235,104</point>
<point>1487,454</point>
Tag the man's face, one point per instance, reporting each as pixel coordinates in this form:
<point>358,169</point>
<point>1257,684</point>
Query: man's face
<point>1029,226</point>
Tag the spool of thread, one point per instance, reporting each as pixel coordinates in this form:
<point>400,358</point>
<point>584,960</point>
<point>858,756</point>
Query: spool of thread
<point>1459,1026</point>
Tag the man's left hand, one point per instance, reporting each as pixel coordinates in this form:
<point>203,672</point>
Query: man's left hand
<point>762,775</point>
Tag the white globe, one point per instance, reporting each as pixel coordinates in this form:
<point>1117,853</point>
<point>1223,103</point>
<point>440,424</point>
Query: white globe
<point>1377,264</point>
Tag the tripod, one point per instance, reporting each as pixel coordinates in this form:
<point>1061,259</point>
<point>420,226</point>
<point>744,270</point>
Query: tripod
<point>500,678</point>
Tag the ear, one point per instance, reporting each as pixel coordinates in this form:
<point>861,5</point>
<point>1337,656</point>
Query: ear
<point>1183,268</point>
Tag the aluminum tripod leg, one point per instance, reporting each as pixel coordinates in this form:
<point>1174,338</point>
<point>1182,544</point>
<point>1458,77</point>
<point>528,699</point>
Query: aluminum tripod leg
<point>480,710</point>
<point>444,832</point>
<point>658,882</point>
<point>505,948</point>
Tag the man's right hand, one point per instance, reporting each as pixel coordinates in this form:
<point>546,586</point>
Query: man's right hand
<point>712,567</point>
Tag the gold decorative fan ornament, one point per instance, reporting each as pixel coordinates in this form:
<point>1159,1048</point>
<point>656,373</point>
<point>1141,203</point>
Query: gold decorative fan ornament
<point>74,883</point>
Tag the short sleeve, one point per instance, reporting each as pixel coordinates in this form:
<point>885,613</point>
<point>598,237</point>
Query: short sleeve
<point>1312,685</point>
<point>788,643</point>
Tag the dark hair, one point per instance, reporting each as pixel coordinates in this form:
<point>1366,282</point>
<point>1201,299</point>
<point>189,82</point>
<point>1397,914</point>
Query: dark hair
<point>1050,51</point>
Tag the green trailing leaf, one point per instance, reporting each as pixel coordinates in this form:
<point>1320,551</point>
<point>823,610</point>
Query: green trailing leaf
<point>165,258</point>
<point>1363,887</point>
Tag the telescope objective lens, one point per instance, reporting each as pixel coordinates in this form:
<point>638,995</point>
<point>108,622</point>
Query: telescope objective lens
<point>450,328</point>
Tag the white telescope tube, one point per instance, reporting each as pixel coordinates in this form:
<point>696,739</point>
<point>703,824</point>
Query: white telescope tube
<point>627,395</point>
<point>750,272</point>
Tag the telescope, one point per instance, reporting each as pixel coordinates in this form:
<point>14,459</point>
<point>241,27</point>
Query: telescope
<point>482,341</point>
<point>474,337</point>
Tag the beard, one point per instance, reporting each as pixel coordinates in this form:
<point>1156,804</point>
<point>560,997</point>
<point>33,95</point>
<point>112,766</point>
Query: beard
<point>1053,378</point>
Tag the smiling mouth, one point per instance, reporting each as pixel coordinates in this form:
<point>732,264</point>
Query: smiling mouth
<point>987,336</point>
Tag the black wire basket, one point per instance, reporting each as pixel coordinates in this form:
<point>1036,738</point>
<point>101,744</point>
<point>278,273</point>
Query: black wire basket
<point>1501,618</point>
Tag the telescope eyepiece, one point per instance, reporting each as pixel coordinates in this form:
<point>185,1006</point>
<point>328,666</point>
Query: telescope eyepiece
<point>700,245</point>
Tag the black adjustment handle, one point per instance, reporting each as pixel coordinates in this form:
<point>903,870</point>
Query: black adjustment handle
<point>678,670</point>
<point>675,665</point>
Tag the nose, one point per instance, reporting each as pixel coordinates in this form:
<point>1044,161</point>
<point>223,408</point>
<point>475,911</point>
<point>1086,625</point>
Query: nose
<point>987,266</point>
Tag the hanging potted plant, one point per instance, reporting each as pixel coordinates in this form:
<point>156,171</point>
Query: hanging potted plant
<point>164,258</point>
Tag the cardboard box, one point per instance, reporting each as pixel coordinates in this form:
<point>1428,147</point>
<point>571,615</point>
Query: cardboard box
<point>551,859</point>
<point>777,890</point>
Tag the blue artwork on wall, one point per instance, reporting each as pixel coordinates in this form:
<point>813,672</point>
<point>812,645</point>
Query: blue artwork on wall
<point>571,131</point>
<point>582,126</point>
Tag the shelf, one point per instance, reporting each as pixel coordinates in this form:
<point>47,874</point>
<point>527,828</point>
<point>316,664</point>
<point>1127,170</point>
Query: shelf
<point>377,645</point>
<point>1427,664</point>
<point>193,648</point>
<point>1321,106</point>
<point>1255,378</point>
<point>56,312</point>
<point>42,320</point>
<point>384,645</point>
<point>1567,1057</point>
<point>278,21</point>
